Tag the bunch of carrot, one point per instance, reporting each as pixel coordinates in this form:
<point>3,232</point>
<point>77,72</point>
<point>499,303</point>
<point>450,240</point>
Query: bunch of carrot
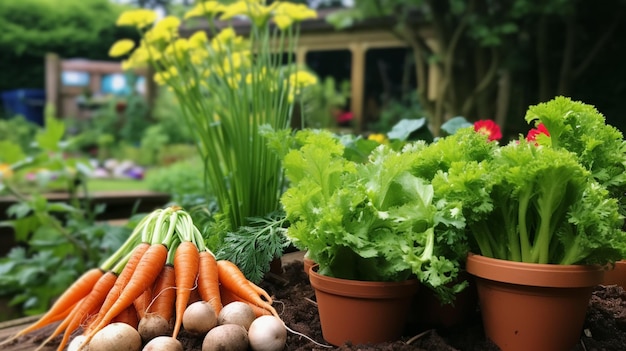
<point>162,267</point>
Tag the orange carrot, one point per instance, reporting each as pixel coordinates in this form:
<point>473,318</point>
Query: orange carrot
<point>261,292</point>
<point>142,302</point>
<point>228,297</point>
<point>143,277</point>
<point>121,282</point>
<point>128,316</point>
<point>59,329</point>
<point>63,306</point>
<point>208,282</point>
<point>164,294</point>
<point>186,260</point>
<point>233,280</point>
<point>88,306</point>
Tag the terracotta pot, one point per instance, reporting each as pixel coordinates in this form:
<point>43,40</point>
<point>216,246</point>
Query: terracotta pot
<point>526,306</point>
<point>427,312</point>
<point>617,275</point>
<point>361,311</point>
<point>308,263</point>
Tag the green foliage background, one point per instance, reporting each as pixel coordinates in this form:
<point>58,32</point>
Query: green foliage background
<point>71,28</point>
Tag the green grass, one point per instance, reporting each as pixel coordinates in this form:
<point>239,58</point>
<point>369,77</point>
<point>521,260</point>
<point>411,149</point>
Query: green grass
<point>117,184</point>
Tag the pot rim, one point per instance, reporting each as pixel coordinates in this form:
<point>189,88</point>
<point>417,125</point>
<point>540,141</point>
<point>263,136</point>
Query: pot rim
<point>534,274</point>
<point>361,288</point>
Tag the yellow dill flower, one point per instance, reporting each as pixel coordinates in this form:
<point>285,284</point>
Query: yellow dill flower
<point>257,12</point>
<point>260,76</point>
<point>149,52</point>
<point>298,80</point>
<point>198,39</point>
<point>226,38</point>
<point>138,59</point>
<point>178,48</point>
<point>169,22</point>
<point>165,30</point>
<point>139,18</point>
<point>163,77</point>
<point>301,79</point>
<point>235,61</point>
<point>233,81</point>
<point>210,8</point>
<point>379,138</point>
<point>121,47</point>
<point>198,56</point>
<point>287,13</point>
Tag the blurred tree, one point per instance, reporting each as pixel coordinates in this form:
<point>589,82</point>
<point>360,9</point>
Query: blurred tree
<point>494,58</point>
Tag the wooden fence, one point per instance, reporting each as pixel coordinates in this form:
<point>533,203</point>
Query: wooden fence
<point>69,79</point>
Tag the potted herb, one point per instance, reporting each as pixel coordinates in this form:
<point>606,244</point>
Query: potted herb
<point>539,217</point>
<point>365,222</point>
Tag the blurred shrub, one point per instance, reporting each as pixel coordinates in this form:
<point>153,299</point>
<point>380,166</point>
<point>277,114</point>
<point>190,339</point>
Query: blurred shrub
<point>184,180</point>
<point>71,28</point>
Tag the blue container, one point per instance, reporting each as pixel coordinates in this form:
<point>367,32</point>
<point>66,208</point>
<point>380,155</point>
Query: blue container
<point>26,102</point>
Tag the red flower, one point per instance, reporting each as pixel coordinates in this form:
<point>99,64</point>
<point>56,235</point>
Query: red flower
<point>533,133</point>
<point>489,128</point>
<point>345,117</point>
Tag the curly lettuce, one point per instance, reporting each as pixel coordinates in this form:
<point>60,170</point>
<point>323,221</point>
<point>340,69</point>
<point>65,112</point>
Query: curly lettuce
<point>372,220</point>
<point>580,128</point>
<point>535,204</point>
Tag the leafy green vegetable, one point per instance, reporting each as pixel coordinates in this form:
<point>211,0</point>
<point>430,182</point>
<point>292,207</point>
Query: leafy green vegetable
<point>581,129</point>
<point>244,245</point>
<point>528,202</point>
<point>367,221</point>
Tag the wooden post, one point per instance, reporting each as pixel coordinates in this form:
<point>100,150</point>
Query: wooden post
<point>152,89</point>
<point>301,56</point>
<point>53,82</point>
<point>357,83</point>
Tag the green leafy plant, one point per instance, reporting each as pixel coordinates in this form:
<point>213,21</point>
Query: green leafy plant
<point>368,221</point>
<point>168,113</point>
<point>531,202</point>
<point>581,129</point>
<point>63,235</point>
<point>180,179</point>
<point>16,130</point>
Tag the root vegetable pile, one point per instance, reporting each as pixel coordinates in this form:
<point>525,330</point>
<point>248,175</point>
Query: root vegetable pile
<point>161,280</point>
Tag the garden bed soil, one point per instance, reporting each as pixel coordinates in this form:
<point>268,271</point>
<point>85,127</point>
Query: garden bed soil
<point>604,328</point>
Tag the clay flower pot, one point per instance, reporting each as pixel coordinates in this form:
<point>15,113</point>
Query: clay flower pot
<point>617,275</point>
<point>361,311</point>
<point>527,306</point>
<point>308,263</point>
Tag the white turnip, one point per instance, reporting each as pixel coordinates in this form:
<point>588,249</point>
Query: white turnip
<point>163,343</point>
<point>267,333</point>
<point>152,325</point>
<point>77,343</point>
<point>116,336</point>
<point>227,337</point>
<point>236,312</point>
<point>199,318</point>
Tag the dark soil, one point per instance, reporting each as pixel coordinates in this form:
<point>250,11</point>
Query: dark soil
<point>604,328</point>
